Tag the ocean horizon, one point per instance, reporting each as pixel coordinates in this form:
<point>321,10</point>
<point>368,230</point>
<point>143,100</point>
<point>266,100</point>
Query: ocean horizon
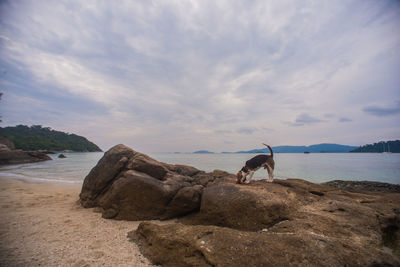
<point>316,168</point>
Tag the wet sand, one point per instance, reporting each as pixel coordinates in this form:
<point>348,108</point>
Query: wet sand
<point>44,225</point>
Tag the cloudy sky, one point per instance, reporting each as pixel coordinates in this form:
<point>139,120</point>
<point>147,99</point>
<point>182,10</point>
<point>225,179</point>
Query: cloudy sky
<point>219,75</point>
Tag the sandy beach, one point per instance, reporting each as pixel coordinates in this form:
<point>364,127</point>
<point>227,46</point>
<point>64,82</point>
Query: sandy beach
<point>43,225</point>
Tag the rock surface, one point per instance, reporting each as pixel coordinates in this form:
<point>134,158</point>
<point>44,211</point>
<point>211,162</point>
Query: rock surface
<point>19,157</point>
<point>181,245</point>
<point>221,223</point>
<point>364,186</point>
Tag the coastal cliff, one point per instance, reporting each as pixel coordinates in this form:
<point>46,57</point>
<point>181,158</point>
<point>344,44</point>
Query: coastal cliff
<point>221,223</point>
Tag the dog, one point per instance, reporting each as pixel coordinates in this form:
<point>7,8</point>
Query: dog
<point>255,163</point>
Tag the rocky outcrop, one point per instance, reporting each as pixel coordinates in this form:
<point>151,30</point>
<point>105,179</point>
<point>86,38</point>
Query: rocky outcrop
<point>8,154</point>
<point>302,225</point>
<point>19,157</point>
<point>132,186</point>
<point>221,223</point>
<point>182,245</point>
<point>243,207</point>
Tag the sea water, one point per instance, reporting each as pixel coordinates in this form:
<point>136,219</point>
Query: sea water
<point>317,168</point>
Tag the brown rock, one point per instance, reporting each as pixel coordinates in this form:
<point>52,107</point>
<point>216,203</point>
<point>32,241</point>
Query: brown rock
<point>241,207</point>
<point>255,206</point>
<point>185,201</point>
<point>145,164</point>
<point>181,245</point>
<point>103,174</point>
<point>137,196</point>
<point>20,157</point>
<point>132,186</point>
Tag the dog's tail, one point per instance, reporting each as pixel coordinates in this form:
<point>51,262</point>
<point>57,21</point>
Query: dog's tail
<point>270,150</point>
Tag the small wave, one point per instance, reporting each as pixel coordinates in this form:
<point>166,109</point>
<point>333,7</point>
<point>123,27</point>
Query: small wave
<point>30,179</point>
<point>8,174</point>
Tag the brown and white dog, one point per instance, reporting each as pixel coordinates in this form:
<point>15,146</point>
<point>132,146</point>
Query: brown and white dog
<point>253,164</point>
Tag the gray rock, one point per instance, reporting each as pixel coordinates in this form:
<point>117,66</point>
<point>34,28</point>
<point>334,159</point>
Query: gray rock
<point>19,157</point>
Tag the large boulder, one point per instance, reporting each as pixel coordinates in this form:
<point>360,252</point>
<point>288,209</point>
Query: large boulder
<point>137,196</point>
<point>241,207</point>
<point>132,186</point>
<point>254,206</point>
<point>101,177</point>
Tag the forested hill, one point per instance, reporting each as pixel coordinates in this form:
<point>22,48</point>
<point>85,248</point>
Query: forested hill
<point>389,146</point>
<point>37,137</point>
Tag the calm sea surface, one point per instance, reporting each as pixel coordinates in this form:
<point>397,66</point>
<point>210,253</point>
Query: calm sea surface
<point>312,167</point>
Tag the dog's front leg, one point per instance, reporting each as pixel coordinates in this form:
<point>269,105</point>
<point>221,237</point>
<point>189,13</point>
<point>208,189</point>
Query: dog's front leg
<point>250,176</point>
<point>243,179</point>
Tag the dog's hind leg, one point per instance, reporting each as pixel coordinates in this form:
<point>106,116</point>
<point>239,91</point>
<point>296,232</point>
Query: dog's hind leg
<point>270,174</point>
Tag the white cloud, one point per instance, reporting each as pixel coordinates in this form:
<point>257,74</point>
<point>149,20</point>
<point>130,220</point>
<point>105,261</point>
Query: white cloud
<point>173,73</point>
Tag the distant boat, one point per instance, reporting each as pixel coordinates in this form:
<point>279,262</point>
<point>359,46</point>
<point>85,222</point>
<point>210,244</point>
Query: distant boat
<point>306,152</point>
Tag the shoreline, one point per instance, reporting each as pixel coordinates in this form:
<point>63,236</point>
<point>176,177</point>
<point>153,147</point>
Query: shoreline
<point>39,181</point>
<point>43,224</point>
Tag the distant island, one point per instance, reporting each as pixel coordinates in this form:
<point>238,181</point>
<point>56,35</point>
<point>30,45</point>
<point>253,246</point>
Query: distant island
<point>320,148</point>
<point>37,137</point>
<point>203,152</point>
<point>380,147</point>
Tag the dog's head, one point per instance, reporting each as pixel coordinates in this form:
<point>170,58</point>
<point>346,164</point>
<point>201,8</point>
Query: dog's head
<point>239,177</point>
